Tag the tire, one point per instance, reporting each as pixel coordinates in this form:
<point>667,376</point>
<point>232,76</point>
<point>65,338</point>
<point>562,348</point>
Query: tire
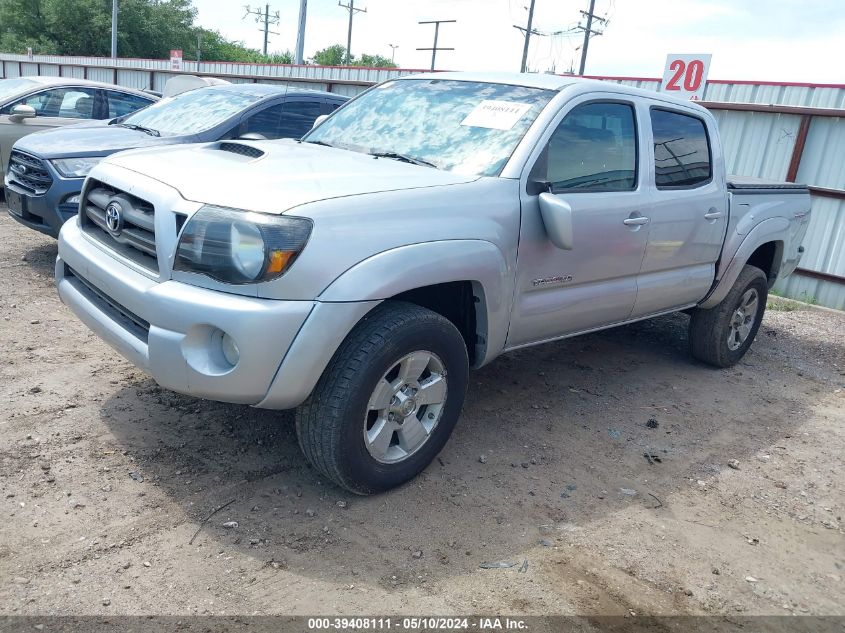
<point>722,335</point>
<point>345,428</point>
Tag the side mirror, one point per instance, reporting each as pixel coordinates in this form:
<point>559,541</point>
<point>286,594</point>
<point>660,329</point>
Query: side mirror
<point>557,218</point>
<point>21,112</point>
<point>319,120</point>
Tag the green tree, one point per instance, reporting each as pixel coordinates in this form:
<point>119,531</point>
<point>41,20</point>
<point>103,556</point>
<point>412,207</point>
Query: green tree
<point>336,56</point>
<point>331,56</point>
<point>146,29</point>
<point>376,61</point>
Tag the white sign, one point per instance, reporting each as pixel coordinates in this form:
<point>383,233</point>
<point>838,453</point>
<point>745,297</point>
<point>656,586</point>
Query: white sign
<point>496,115</point>
<point>686,75</point>
<point>176,59</point>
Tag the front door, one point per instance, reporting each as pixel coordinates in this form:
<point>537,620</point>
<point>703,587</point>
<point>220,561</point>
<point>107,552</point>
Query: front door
<point>593,161</point>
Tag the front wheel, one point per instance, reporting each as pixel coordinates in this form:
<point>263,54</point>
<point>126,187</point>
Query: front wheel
<point>722,335</point>
<point>388,401</point>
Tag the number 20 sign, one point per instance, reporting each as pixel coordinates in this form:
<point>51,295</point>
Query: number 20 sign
<point>685,75</point>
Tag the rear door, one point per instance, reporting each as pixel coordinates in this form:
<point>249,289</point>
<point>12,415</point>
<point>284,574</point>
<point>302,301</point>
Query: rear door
<point>594,161</point>
<point>688,212</point>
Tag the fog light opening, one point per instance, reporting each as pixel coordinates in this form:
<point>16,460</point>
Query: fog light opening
<point>230,350</point>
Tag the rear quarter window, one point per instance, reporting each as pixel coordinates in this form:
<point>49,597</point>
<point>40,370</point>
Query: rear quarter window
<point>681,150</point>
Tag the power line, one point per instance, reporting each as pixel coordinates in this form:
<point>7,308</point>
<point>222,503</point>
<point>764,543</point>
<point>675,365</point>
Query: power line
<point>267,18</point>
<point>436,48</point>
<point>351,8</point>
<point>589,32</point>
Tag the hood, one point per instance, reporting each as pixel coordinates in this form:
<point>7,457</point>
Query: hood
<point>279,175</point>
<point>88,139</point>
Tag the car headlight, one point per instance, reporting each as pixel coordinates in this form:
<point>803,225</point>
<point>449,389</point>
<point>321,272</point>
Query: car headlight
<point>240,247</point>
<point>75,167</point>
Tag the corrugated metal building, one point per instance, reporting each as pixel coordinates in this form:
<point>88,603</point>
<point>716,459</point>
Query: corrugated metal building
<point>782,131</point>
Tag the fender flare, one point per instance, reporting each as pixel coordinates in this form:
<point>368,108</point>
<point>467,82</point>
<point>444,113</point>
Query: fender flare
<point>404,268</point>
<point>771,230</point>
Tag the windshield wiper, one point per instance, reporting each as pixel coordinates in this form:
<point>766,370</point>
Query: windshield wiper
<point>403,158</point>
<point>140,128</point>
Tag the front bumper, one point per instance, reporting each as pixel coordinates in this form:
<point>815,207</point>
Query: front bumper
<point>172,330</point>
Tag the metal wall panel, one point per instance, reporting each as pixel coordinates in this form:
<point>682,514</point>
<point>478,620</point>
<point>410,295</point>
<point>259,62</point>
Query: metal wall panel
<point>77,72</point>
<point>101,74</point>
<point>138,79</point>
<point>823,163</point>
<point>757,144</point>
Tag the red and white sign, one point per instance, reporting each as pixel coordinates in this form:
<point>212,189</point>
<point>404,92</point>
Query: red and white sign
<point>176,59</point>
<point>686,75</point>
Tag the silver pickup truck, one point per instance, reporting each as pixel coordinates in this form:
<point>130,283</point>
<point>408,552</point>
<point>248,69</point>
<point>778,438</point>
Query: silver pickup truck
<point>426,227</point>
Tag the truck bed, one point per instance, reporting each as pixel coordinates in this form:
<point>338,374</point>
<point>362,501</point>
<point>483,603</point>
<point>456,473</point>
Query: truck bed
<point>740,185</point>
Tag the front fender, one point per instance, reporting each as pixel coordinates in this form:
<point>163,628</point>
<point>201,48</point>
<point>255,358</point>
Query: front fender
<point>398,270</point>
<point>771,230</point>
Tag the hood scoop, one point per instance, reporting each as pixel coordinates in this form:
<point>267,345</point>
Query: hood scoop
<point>241,149</point>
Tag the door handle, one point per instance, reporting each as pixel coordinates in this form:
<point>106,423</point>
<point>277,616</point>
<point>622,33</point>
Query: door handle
<point>713,215</point>
<point>636,221</point>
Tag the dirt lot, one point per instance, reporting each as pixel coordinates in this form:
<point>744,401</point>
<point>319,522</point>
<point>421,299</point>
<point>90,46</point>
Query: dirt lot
<point>107,478</point>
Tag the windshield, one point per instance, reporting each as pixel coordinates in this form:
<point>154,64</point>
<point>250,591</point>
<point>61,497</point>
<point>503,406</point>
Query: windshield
<point>13,87</point>
<point>462,126</point>
<point>192,112</point>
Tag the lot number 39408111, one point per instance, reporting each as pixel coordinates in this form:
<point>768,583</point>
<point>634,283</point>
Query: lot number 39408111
<point>686,75</point>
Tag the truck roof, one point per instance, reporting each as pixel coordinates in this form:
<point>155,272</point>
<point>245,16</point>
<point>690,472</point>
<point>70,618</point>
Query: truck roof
<point>545,81</point>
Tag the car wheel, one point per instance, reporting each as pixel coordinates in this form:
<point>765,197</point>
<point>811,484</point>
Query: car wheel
<point>388,401</point>
<point>722,335</point>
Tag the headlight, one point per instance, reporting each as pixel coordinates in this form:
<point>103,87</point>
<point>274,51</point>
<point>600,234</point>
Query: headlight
<point>240,247</point>
<point>75,167</point>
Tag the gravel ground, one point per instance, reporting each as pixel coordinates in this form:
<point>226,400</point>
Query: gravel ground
<point>617,475</point>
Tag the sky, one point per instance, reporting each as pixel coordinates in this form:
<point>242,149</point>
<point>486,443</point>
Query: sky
<point>756,40</point>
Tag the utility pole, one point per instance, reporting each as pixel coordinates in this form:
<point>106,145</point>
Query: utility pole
<point>114,28</point>
<point>589,32</point>
<point>528,33</point>
<point>436,48</point>
<point>300,33</point>
<point>393,48</point>
<point>351,8</point>
<point>199,50</point>
<point>267,18</point>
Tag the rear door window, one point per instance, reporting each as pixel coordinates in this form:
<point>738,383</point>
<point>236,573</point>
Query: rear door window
<point>681,150</point>
<point>121,103</point>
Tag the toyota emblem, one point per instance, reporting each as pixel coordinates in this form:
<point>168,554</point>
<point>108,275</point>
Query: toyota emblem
<point>114,218</point>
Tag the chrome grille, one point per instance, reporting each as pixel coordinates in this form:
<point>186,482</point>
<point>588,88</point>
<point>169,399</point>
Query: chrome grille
<point>135,239</point>
<point>29,172</point>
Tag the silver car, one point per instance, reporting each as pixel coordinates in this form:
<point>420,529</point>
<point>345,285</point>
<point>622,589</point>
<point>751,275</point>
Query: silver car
<point>31,104</point>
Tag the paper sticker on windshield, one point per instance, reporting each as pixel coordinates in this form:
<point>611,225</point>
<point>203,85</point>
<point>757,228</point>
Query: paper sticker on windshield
<point>496,115</point>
